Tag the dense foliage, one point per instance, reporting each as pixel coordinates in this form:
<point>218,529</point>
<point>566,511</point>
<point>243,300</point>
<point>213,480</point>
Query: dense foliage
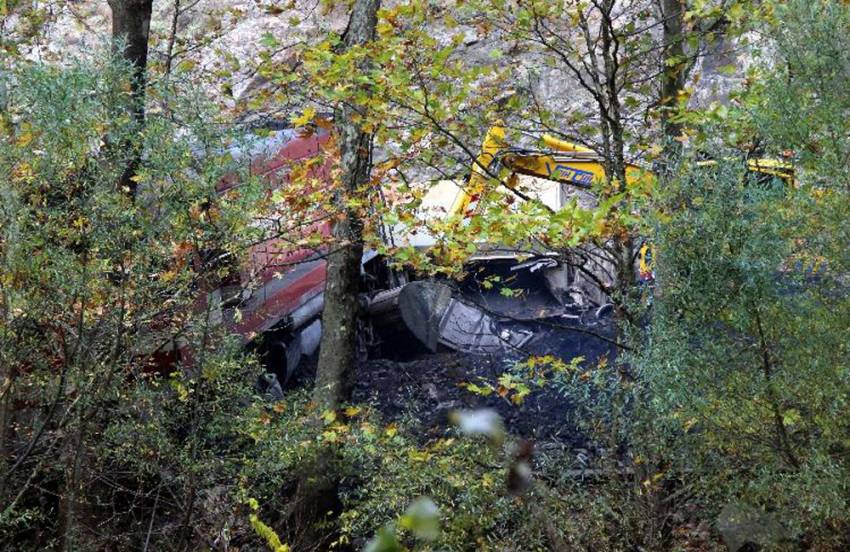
<point>748,350</point>
<point>720,421</point>
<point>95,284</point>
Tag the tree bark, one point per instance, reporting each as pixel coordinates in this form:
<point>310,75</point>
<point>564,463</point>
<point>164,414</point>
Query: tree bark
<point>172,38</point>
<point>339,318</point>
<point>317,488</point>
<point>131,21</point>
<point>672,14</point>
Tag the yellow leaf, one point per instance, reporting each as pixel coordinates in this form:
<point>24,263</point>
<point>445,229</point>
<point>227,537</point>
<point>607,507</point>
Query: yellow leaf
<point>186,65</point>
<point>24,139</point>
<point>305,117</point>
<point>419,456</point>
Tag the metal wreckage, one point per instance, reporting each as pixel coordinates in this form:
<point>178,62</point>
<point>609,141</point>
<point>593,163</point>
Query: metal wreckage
<point>275,302</point>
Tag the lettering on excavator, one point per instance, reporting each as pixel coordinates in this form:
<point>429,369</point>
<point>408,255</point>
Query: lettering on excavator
<point>570,174</point>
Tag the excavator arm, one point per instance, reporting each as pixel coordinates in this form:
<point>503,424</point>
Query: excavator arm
<point>570,164</point>
<point>563,161</point>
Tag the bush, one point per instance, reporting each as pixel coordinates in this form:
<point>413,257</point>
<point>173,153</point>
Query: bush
<point>99,447</point>
<point>748,356</point>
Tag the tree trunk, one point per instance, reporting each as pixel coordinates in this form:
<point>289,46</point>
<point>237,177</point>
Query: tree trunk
<point>339,318</point>
<point>130,31</point>
<point>131,21</point>
<point>611,113</point>
<point>172,38</point>
<point>316,495</point>
<point>673,75</point>
<point>72,509</point>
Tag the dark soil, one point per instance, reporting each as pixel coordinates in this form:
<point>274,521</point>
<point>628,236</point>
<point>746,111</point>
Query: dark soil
<point>426,386</point>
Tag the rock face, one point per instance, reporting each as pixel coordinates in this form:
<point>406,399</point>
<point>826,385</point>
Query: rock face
<point>217,41</point>
<point>220,43</point>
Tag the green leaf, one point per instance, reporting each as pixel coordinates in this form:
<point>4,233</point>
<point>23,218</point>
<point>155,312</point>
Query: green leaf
<point>791,417</point>
<point>423,519</point>
<point>269,41</point>
<point>385,540</point>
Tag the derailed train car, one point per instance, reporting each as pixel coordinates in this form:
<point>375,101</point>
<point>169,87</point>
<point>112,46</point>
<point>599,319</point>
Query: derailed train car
<point>274,300</point>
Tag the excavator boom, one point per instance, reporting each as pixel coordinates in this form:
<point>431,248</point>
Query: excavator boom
<point>564,162</point>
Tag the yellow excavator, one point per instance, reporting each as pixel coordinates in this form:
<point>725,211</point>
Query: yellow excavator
<point>570,164</point>
<point>565,162</point>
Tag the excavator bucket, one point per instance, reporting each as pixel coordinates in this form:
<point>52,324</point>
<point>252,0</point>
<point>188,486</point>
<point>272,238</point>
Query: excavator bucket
<point>436,316</point>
